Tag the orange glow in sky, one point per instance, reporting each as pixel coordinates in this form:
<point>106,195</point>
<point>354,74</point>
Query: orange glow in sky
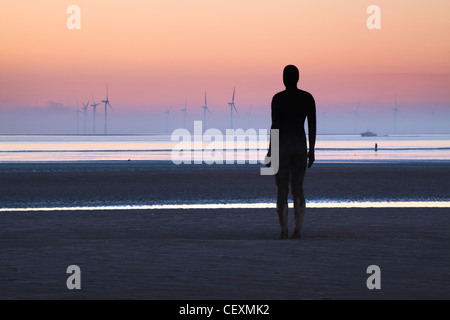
<point>155,54</point>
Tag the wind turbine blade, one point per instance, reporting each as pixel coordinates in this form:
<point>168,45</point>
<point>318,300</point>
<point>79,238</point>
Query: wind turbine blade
<point>110,106</point>
<point>235,109</point>
<point>205,99</point>
<point>234,89</point>
<point>208,110</point>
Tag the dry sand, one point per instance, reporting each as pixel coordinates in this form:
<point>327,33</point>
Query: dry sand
<point>224,254</point>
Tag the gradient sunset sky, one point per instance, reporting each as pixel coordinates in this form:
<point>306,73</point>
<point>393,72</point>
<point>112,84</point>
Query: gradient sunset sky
<point>155,54</point>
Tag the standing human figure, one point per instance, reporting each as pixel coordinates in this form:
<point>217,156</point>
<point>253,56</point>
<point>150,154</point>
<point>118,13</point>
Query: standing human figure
<point>290,109</point>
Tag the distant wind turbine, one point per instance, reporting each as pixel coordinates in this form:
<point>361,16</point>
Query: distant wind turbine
<point>77,112</point>
<point>356,116</point>
<point>167,112</point>
<point>94,105</point>
<point>106,102</point>
<point>184,110</point>
<point>324,117</point>
<point>205,108</point>
<point>396,110</point>
<point>249,115</point>
<point>85,112</point>
<point>232,107</point>
<point>433,113</point>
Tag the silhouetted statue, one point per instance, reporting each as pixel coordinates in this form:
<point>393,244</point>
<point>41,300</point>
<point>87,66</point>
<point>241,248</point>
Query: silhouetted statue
<point>290,109</point>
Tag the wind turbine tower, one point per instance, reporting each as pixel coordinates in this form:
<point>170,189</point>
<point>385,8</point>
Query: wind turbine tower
<point>205,108</point>
<point>184,110</point>
<point>232,107</point>
<point>167,119</point>
<point>77,112</point>
<point>433,113</point>
<point>106,102</point>
<point>94,105</point>
<point>396,110</point>
<point>324,119</point>
<point>249,115</point>
<point>85,112</point>
<point>356,117</point>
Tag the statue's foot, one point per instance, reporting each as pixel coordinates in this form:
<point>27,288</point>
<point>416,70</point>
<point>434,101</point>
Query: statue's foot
<point>296,235</point>
<point>283,235</point>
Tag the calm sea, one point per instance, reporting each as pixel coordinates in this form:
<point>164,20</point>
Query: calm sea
<point>329,148</point>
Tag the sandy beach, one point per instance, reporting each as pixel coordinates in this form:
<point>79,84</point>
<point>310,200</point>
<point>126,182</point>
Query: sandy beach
<point>222,253</point>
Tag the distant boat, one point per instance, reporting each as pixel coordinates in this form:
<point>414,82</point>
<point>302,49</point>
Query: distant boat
<point>368,134</point>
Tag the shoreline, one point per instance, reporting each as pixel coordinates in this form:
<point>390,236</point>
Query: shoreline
<point>153,184</point>
<point>168,164</point>
<point>249,205</point>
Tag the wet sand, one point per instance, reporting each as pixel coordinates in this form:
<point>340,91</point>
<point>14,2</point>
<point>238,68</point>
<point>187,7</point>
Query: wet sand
<point>222,253</point>
<point>225,254</point>
<point>128,184</point>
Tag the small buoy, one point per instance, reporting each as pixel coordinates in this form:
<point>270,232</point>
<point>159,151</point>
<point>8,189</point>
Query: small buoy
<point>376,147</point>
